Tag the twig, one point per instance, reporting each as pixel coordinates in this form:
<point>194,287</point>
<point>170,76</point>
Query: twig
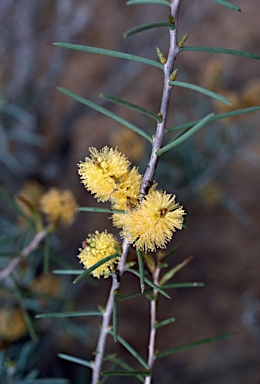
<point>146,184</point>
<point>153,312</point>
<point>106,317</point>
<point>24,253</point>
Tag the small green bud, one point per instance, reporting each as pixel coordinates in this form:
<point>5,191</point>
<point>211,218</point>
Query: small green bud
<point>161,56</point>
<point>174,75</point>
<point>171,19</point>
<point>183,40</point>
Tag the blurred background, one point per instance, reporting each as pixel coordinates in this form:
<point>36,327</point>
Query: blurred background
<point>215,175</point>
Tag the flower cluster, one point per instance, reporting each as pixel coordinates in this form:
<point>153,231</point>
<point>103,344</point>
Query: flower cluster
<point>96,248</point>
<point>59,206</point>
<point>148,224</point>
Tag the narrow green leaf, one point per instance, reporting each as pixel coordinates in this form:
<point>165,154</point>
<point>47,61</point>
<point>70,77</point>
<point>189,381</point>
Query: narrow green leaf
<point>193,344</point>
<point>98,264</point>
<point>228,5</point>
<point>205,91</point>
<point>44,381</point>
<point>185,135</point>
<point>115,314</point>
<point>225,51</point>
<point>124,373</point>
<point>119,362</point>
<point>68,314</point>
<point>164,322</point>
<point>144,27</point>
<point>214,118</point>
<point>108,52</point>
<point>141,269</point>
<point>150,283</point>
<point>172,272</point>
<point>100,210</point>
<point>106,112</point>
<point>131,350</point>
<point>160,2</point>
<point>76,360</point>
<point>184,285</point>
<point>68,271</point>
<point>129,105</point>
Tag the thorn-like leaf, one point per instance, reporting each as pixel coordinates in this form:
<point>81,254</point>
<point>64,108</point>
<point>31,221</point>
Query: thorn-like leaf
<point>184,136</point>
<point>159,2</point>
<point>76,360</point>
<point>225,51</point>
<point>95,266</point>
<point>106,112</point>
<point>228,5</point>
<point>144,27</point>
<point>135,107</point>
<point>205,91</point>
<point>214,118</point>
<point>193,344</point>
<point>68,314</point>
<point>108,52</point>
<point>169,275</point>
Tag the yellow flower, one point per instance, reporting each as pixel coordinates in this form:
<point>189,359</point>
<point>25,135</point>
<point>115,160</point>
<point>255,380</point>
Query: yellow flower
<point>59,206</point>
<point>100,174</point>
<point>151,225</point>
<point>95,248</point>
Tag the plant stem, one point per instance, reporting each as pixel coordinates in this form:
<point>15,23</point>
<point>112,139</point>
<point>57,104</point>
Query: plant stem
<point>146,184</point>
<point>99,354</point>
<point>153,312</point>
<point>167,89</point>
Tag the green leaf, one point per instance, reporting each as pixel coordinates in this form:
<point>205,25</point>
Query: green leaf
<point>228,5</point>
<point>160,2</point>
<point>144,27</point>
<point>100,210</point>
<point>108,52</point>
<point>115,314</point>
<point>141,269</point>
<point>226,51</point>
<point>169,275</point>
<point>216,117</point>
<point>76,360</point>
<point>135,107</point>
<point>119,362</point>
<point>131,350</point>
<point>184,136</point>
<point>150,283</point>
<point>193,344</point>
<point>68,314</point>
<point>164,322</point>
<point>68,271</point>
<point>106,112</point>
<point>205,91</point>
<point>184,285</point>
<point>124,373</point>
<point>44,381</point>
<point>95,266</point>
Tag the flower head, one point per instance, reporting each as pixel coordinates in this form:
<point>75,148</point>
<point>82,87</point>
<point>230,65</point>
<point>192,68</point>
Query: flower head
<point>152,223</point>
<point>100,173</point>
<point>95,248</point>
<point>59,206</point>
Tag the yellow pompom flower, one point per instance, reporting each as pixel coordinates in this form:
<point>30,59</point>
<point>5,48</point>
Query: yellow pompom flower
<point>95,248</point>
<point>152,223</point>
<point>101,173</point>
<point>59,206</point>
